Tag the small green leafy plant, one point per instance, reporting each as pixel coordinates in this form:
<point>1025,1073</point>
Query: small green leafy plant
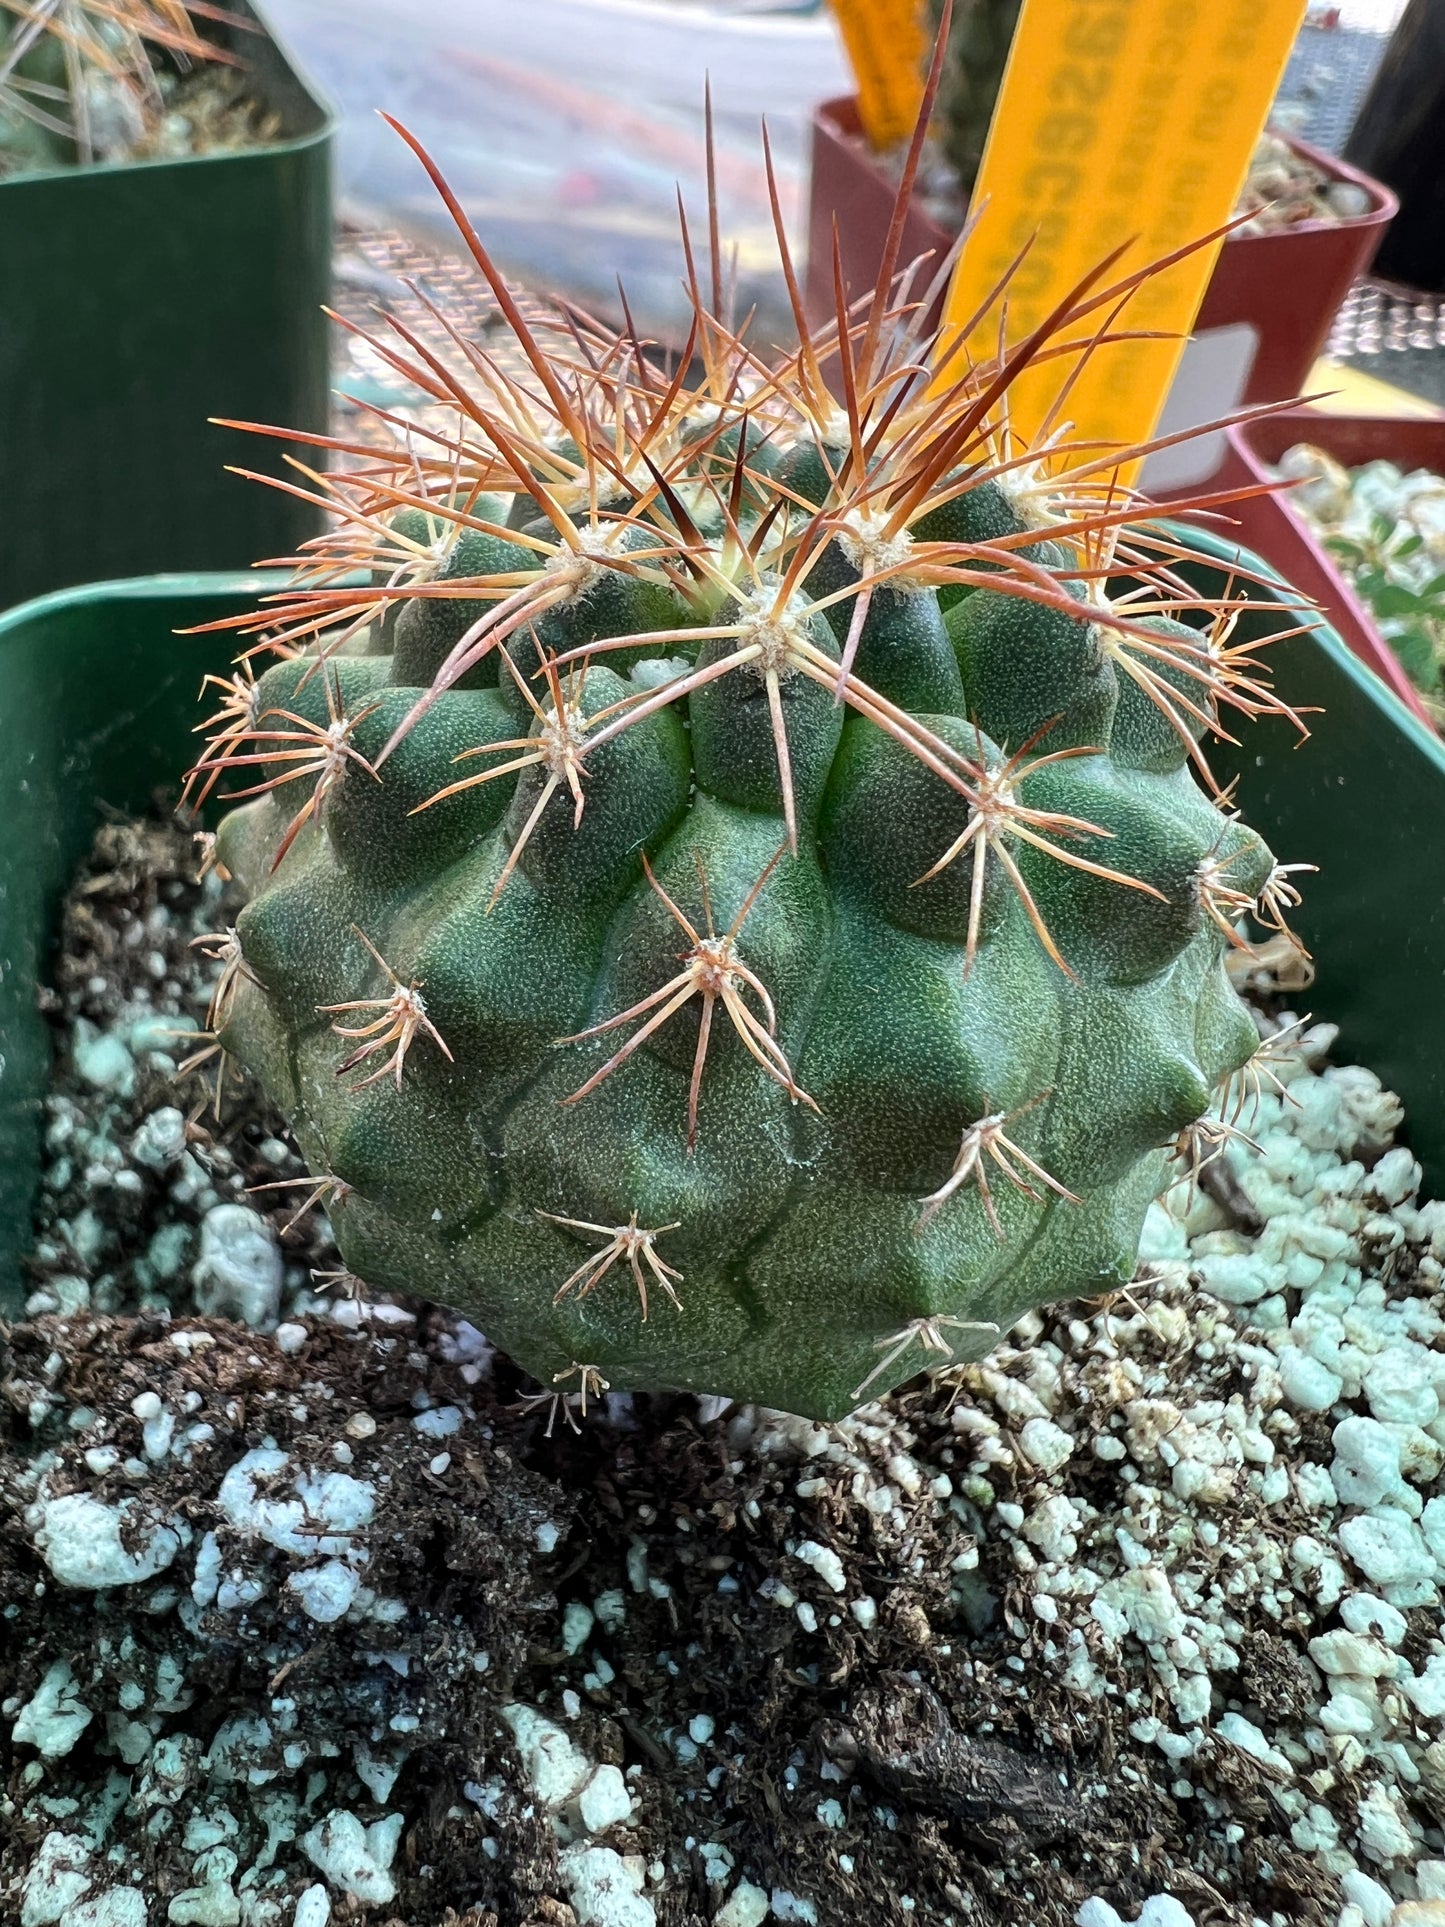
<point>1386,529</point>
<point>1408,603</point>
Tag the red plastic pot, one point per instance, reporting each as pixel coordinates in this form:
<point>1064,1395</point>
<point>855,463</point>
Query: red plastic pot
<point>1274,527</point>
<point>850,187</point>
<point>1287,287</point>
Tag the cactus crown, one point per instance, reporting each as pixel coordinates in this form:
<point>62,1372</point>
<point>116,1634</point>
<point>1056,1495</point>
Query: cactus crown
<point>84,72</point>
<point>736,898</point>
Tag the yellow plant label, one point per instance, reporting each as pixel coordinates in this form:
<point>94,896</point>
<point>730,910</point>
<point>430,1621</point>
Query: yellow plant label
<point>887,46</point>
<point>1118,120</point>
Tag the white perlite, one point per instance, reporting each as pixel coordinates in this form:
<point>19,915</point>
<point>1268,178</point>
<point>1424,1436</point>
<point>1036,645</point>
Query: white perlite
<point>120,1907</point>
<point>313,1909</point>
<point>605,1890</point>
<point>326,1592</point>
<point>1160,1910</point>
<point>581,1797</point>
<point>1254,1475</point>
<point>309,1512</point>
<point>355,1858</point>
<point>57,1879</point>
<point>54,1719</point>
<point>1044,1444</point>
<point>746,1906</point>
<point>825,1562</point>
<point>240,1271</point>
<point>79,1538</point>
<point>604,1801</point>
<point>556,1770</point>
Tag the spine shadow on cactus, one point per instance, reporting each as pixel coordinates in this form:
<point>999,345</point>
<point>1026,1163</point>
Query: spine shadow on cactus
<point>742,861</point>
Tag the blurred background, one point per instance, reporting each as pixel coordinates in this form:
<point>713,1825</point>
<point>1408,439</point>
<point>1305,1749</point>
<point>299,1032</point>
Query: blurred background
<point>565,125</point>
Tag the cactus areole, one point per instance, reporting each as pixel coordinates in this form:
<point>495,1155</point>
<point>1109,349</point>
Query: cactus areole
<point>735,900</point>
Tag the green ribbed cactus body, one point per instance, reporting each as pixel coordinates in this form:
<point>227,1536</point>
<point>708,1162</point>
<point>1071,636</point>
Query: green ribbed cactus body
<point>979,37</point>
<point>808,1261</point>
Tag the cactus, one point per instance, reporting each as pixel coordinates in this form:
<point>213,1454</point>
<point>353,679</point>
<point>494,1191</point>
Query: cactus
<point>80,79</point>
<point>979,35</point>
<point>735,900</point>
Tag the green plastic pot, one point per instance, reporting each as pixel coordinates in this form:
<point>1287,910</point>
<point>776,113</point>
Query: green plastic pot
<point>136,302</point>
<point>101,695</point>
<point>99,699</point>
<point>1364,798</point>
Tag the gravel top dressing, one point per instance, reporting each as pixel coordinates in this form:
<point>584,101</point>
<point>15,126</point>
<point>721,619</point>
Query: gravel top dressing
<point>313,1609</point>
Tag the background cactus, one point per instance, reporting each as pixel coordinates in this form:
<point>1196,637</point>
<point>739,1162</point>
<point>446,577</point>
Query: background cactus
<point>980,33</point>
<point>732,902</point>
<point>84,80</point>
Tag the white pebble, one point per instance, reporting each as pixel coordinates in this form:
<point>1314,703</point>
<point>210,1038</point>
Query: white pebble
<point>289,1339</point>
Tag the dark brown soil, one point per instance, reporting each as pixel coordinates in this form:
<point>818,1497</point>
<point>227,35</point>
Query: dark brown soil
<point>958,1782</point>
<point>920,1765</point>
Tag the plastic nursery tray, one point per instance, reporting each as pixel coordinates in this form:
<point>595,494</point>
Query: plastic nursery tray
<point>135,303</point>
<point>106,691</point>
<point>1273,526</point>
<point>1287,287</point>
